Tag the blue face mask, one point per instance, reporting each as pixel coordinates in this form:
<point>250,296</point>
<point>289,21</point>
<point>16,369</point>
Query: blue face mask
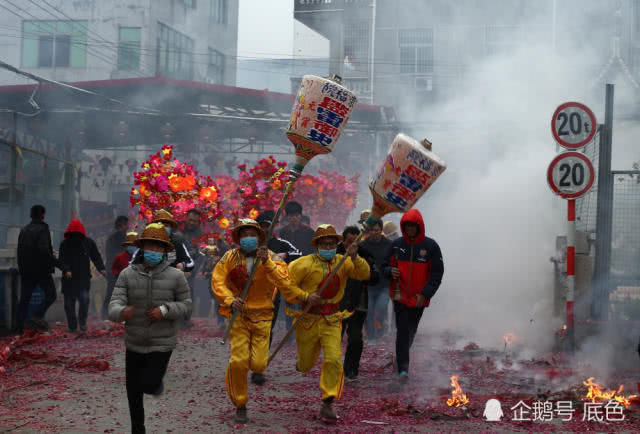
<point>153,258</point>
<point>249,244</point>
<point>327,254</point>
<point>168,229</point>
<point>131,249</point>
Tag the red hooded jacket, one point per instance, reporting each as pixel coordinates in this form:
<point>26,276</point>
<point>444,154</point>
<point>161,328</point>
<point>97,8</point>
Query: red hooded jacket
<point>419,261</point>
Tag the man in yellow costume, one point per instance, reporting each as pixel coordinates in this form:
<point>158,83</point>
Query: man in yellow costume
<point>249,336</point>
<point>321,328</point>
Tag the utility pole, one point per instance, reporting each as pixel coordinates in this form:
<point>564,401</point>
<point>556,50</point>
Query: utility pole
<point>604,219</point>
<point>13,169</point>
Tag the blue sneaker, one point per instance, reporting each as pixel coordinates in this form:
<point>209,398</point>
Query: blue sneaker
<point>404,376</point>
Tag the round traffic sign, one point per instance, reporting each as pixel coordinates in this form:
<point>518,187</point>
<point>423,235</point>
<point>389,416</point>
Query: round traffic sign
<point>570,175</point>
<point>573,125</point>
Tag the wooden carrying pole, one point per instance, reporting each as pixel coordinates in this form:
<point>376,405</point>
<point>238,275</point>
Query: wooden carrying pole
<point>318,291</point>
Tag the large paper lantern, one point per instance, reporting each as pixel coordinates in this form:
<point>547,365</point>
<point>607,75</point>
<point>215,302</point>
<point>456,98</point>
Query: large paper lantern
<point>320,112</point>
<point>405,175</point>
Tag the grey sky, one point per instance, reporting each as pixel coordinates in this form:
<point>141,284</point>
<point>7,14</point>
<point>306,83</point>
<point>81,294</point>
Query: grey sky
<point>266,29</point>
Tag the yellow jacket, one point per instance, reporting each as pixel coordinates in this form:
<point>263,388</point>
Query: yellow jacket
<point>308,272</point>
<point>230,275</point>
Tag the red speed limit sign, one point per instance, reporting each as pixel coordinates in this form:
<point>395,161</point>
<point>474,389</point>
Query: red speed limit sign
<point>573,125</point>
<point>570,175</point>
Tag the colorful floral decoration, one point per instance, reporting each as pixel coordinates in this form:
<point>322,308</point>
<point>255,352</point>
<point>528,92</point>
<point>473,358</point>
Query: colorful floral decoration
<point>327,198</point>
<point>167,183</point>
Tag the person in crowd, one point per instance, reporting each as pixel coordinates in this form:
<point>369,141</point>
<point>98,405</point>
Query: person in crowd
<point>78,251</point>
<point>192,231</point>
<point>298,234</point>
<point>364,215</point>
<point>355,300</point>
<point>152,298</point>
<point>295,231</point>
<point>249,336</point>
<point>390,230</point>
<point>321,328</point>
<point>306,220</point>
<point>36,263</point>
<point>123,259</point>
<point>287,252</point>
<point>114,248</point>
<point>378,245</point>
<point>414,263</point>
<point>213,252</point>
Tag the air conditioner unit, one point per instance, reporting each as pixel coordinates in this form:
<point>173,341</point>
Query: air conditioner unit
<point>423,83</point>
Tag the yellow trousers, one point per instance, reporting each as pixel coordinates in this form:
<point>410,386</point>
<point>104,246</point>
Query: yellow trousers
<point>314,332</point>
<point>249,351</point>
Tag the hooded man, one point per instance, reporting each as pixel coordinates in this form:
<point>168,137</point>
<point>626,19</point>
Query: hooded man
<point>152,298</point>
<point>414,263</point>
<point>249,336</point>
<point>321,328</point>
<point>78,251</point>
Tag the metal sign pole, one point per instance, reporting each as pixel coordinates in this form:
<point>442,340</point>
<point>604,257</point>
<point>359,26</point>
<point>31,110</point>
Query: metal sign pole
<point>604,218</point>
<point>571,271</point>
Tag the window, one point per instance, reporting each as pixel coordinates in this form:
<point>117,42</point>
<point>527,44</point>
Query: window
<point>190,3</point>
<point>129,49</point>
<point>60,44</point>
<point>356,49</point>
<point>218,12</point>
<point>175,53</point>
<point>215,69</point>
<point>416,51</point>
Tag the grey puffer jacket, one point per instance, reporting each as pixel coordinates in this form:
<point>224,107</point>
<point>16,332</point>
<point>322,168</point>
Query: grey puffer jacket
<point>162,285</point>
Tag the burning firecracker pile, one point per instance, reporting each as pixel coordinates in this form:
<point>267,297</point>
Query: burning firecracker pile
<point>44,388</point>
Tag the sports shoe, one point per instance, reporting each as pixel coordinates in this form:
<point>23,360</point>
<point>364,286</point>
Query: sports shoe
<point>403,376</point>
<point>326,411</point>
<point>241,415</point>
<point>258,379</point>
<point>83,327</point>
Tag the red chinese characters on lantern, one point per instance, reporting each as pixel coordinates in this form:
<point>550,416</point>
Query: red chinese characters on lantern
<point>334,106</point>
<point>418,174</point>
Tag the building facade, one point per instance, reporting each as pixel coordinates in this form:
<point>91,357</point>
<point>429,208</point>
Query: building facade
<point>409,53</point>
<point>71,40</point>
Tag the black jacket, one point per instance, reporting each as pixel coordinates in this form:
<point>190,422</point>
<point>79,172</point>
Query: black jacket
<point>300,237</point>
<point>355,292</point>
<point>379,250</point>
<point>279,245</point>
<point>35,253</point>
<point>192,249</point>
<point>77,254</point>
<point>114,247</point>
